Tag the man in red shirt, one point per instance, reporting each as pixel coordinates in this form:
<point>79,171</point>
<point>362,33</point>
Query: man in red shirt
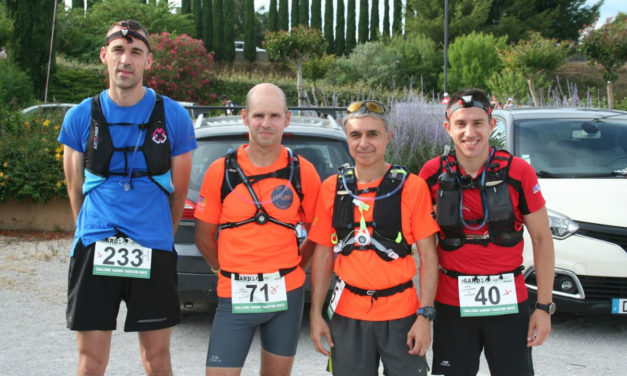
<point>483,196</point>
<point>371,216</point>
<point>256,255</point>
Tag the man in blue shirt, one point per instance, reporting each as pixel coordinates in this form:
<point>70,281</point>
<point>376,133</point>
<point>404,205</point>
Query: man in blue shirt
<point>127,161</point>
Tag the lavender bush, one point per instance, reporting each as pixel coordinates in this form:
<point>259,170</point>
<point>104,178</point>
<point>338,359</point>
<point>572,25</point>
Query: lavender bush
<point>418,133</point>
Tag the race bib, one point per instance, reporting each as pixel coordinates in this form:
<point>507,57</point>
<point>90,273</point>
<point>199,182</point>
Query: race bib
<point>335,297</point>
<point>122,257</point>
<point>487,295</point>
<point>250,294</point>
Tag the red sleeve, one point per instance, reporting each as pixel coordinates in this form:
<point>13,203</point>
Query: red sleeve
<point>530,186</point>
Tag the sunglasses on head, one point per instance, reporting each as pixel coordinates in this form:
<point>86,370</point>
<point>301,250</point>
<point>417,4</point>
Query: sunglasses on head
<point>372,106</point>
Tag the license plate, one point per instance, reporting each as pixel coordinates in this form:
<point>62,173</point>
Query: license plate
<point>619,306</point>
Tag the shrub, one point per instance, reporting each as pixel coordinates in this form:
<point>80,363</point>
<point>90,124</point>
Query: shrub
<point>16,88</point>
<point>418,133</point>
<point>181,69</point>
<point>31,160</point>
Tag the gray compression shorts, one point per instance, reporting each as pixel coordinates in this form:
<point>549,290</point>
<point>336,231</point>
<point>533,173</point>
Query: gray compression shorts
<point>232,333</point>
<point>359,345</point>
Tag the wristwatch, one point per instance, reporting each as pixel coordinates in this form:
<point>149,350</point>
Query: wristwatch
<point>428,312</point>
<point>549,308</point>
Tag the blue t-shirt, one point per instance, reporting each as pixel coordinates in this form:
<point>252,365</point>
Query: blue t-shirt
<point>142,212</point>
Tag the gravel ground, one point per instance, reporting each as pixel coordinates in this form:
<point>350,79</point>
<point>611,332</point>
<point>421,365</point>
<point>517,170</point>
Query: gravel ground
<point>34,340</point>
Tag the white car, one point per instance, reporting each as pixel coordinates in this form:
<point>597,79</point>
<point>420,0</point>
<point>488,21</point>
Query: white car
<point>580,156</point>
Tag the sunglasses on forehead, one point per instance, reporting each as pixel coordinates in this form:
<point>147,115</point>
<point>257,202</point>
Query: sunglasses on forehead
<point>372,106</point>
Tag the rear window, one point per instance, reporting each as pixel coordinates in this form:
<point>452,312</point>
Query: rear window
<point>571,146</point>
<point>325,154</point>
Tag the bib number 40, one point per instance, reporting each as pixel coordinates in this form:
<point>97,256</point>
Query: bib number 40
<point>487,295</point>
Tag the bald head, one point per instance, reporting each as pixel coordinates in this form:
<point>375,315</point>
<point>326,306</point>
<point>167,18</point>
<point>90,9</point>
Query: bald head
<point>266,90</point>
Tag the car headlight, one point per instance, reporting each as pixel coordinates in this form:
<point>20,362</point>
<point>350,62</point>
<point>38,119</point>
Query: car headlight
<point>561,226</point>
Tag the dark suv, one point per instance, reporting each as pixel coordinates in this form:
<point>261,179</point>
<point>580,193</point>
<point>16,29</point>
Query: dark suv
<point>319,140</point>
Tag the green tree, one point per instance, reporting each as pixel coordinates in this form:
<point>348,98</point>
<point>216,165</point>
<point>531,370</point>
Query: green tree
<point>607,46</point>
<point>315,70</point>
<point>31,39</point>
<point>218,39</point>
<point>207,17</point>
<point>328,26</point>
<point>374,20</point>
<point>339,30</point>
<point>93,2</point>
<point>363,21</point>
<point>316,14</point>
<point>534,58</point>
<point>386,20</point>
<point>80,36</point>
<point>351,31</point>
<point>273,17</point>
<point>397,23</point>
<point>186,6</point>
<point>296,48</point>
<point>473,59</point>
<point>197,12</point>
<point>284,23</point>
<point>419,61</point>
<point>6,25</point>
<point>510,84</point>
<point>303,12</point>
<point>250,51</point>
<point>229,35</point>
<point>78,4</point>
<point>294,15</point>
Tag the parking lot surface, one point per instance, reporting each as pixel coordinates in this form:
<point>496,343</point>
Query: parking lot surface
<point>34,340</point>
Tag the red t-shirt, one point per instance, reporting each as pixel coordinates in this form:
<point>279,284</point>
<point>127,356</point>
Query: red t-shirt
<point>253,248</point>
<point>476,259</point>
<point>365,269</point>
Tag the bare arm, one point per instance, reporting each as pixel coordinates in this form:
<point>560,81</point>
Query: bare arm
<point>73,167</point>
<point>207,243</point>
<point>321,272</point>
<point>181,166</point>
<point>537,224</point>
<point>419,336</point>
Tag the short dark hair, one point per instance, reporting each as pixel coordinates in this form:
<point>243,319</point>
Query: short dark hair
<point>477,95</point>
<point>224,97</point>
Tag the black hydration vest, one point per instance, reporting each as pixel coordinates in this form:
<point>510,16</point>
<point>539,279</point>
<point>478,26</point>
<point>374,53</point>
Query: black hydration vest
<point>503,228</point>
<point>386,219</point>
<point>156,147</point>
<point>234,175</point>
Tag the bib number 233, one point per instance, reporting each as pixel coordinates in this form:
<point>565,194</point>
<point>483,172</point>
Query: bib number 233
<point>122,257</point>
<point>251,294</point>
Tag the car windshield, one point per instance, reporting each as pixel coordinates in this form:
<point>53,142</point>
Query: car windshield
<point>573,147</point>
<point>325,154</point>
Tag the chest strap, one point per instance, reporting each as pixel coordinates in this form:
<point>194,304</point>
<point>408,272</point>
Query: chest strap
<point>282,272</point>
<point>374,294</point>
<point>454,274</point>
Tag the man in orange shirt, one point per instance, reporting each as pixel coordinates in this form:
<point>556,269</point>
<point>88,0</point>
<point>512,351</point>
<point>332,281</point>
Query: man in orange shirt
<point>371,216</point>
<point>269,194</point>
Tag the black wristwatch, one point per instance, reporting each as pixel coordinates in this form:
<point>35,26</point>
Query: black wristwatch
<point>549,308</point>
<point>428,312</point>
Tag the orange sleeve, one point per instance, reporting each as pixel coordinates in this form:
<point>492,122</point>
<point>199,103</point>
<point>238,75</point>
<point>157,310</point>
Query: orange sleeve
<point>419,221</point>
<point>209,205</point>
<point>321,229</point>
<point>310,183</point>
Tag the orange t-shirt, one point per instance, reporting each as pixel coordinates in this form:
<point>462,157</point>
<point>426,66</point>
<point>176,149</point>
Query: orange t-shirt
<point>253,248</point>
<point>365,269</point>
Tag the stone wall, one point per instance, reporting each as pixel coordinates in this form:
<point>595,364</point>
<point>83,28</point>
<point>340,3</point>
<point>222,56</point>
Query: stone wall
<point>52,215</point>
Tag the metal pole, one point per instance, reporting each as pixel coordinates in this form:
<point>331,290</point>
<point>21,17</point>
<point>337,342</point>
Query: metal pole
<point>54,17</point>
<point>445,44</point>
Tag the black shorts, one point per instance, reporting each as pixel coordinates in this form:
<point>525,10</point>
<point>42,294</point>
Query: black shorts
<point>94,300</point>
<point>458,342</point>
<point>359,345</point>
